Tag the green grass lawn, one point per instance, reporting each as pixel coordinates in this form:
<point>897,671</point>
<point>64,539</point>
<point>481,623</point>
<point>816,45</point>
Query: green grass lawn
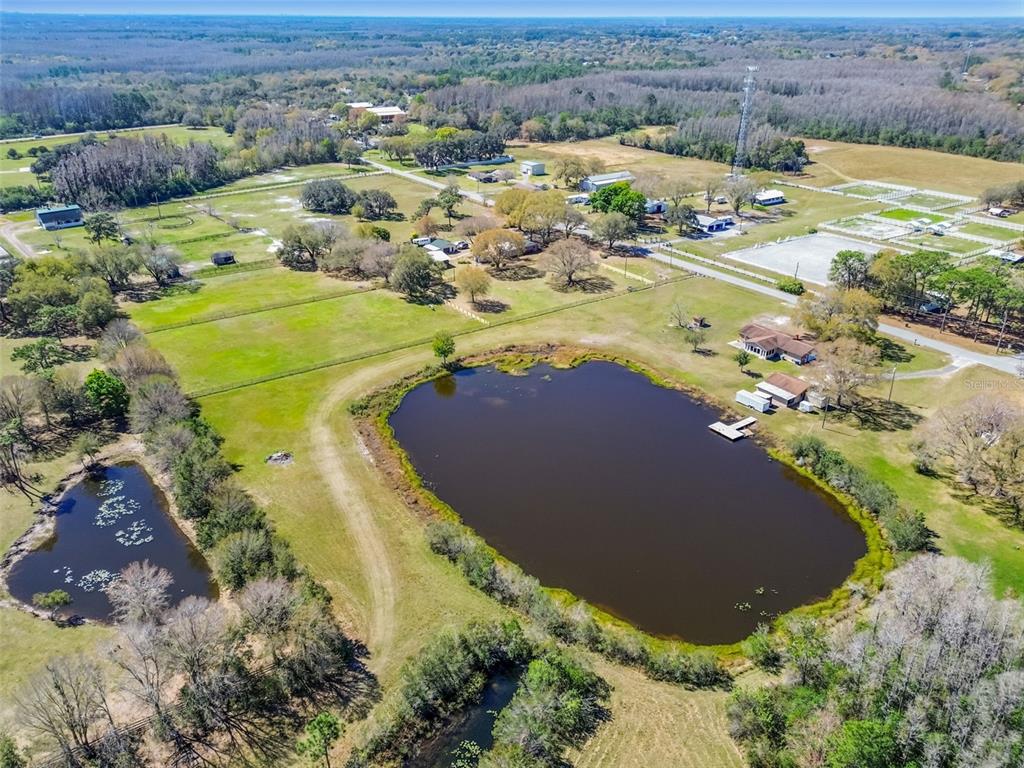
<point>947,243</point>
<point>991,230</point>
<point>865,190</point>
<point>905,214</point>
<point>233,293</point>
<point>924,200</point>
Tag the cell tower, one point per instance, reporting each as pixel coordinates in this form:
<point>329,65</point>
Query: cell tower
<point>740,155</point>
<point>967,61</point>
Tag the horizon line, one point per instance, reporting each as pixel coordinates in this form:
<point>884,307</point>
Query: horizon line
<point>510,17</point>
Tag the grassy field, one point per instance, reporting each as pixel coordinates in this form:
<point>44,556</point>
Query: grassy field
<point>991,230</point>
<point>834,162</point>
<point>905,214</point>
<point>947,243</point>
<point>924,200</point>
<point>866,190</point>
<point>15,171</point>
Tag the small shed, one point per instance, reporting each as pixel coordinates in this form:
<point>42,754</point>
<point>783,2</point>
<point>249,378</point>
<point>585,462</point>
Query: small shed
<point>223,258</point>
<point>532,168</point>
<point>1002,213</point>
<point>655,206</point>
<point>59,217</point>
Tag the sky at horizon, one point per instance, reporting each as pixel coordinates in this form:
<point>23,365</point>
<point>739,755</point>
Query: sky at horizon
<point>536,8</point>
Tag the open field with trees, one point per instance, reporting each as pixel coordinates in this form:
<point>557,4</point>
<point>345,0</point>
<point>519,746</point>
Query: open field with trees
<point>355,619</point>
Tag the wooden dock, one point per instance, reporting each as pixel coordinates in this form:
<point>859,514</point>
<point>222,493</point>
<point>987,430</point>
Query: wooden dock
<point>733,431</point>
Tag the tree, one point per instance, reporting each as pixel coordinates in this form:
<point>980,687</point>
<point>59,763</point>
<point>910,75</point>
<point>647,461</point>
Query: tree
<point>844,367</point>
<point>740,191</point>
<point>426,226</point>
<point>377,204</point>
<point>568,261</point>
<point>303,245</point>
<point>85,447</point>
<point>620,197</point>
<point>96,307</point>
<point>472,280</point>
<point>413,273</point>
<point>849,269</point>
<point>676,190</point>
<point>349,152</point>
<point>763,650</point>
<point>695,337</point>
<point>864,744</point>
<point>156,402</point>
<point>102,226</point>
<point>321,733</point>
<point>449,199</point>
<point>327,196</point>
<point>571,221</point>
<point>63,703</point>
<point>10,757</point>
<point>58,322</point>
<point>51,601</point>
<point>162,262</point>
<point>612,227</point>
<point>742,359</point>
<point>40,355</point>
<point>684,218</point>
<point>572,169</point>
<point>678,316</point>
<point>443,346</point>
<point>712,185</point>
<point>114,263</point>
<point>835,312</point>
<point>498,247</point>
<point>140,593</point>
<point>107,394</point>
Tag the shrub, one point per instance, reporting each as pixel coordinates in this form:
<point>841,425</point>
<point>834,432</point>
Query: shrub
<point>232,510</point>
<point>762,649</point>
<point>907,530</point>
<point>248,555</point>
<point>790,285</point>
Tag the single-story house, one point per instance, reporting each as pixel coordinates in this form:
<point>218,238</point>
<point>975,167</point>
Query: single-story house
<point>442,247</point>
<point>655,206</point>
<point>223,258</point>
<point>710,223</point>
<point>532,168</point>
<point>771,344</point>
<point>59,217</point>
<point>387,114</point>
<point>359,104</point>
<point>785,391</point>
<point>769,197</point>
<point>1002,213</point>
<point>602,180</point>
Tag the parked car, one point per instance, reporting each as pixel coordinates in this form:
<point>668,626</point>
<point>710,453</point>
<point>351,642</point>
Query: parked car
<point>531,248</point>
<point>461,245</point>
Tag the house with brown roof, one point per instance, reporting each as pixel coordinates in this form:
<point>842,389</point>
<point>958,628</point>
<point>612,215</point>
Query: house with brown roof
<point>784,390</point>
<point>772,344</point>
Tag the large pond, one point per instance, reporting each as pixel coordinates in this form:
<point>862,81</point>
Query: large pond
<point>112,518</point>
<point>595,480</point>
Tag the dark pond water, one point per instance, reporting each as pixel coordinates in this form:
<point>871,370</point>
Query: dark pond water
<point>104,523</point>
<point>475,725</point>
<point>595,480</point>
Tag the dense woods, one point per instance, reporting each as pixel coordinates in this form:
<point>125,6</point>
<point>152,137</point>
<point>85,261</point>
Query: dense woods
<point>932,677</point>
<point>898,84</point>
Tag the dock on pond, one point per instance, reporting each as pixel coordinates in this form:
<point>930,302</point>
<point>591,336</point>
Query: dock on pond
<point>735,430</point>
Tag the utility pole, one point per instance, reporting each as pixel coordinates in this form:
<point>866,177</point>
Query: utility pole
<point>739,156</point>
<point>892,382</point>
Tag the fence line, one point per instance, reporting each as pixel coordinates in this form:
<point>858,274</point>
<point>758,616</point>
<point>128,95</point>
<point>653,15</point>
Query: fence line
<point>203,319</point>
<point>422,341</point>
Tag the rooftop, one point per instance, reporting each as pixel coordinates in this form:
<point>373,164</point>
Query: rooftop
<point>59,209</point>
<point>616,176</point>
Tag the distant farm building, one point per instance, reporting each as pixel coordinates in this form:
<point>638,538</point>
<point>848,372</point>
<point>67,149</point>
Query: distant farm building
<point>532,168</point>
<point>769,197</point>
<point>223,258</point>
<point>1002,213</point>
<point>785,391</point>
<point>602,180</point>
<point>711,224</point>
<point>655,206</point>
<point>1010,257</point>
<point>485,177</point>
<point>60,217</point>
<point>771,344</point>
<point>386,114</point>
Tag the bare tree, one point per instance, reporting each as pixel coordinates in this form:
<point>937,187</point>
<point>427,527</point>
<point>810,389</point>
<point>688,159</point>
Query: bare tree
<point>845,366</point>
<point>139,653</point>
<point>156,401</point>
<point>63,703</point>
<point>568,260</point>
<point>117,335</point>
<point>140,593</point>
<point>740,191</point>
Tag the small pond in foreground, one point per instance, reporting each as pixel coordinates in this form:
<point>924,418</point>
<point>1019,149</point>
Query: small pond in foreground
<point>595,480</point>
<point>110,519</point>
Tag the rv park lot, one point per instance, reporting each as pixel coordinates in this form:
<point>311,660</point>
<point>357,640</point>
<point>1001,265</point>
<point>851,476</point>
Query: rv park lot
<point>352,528</point>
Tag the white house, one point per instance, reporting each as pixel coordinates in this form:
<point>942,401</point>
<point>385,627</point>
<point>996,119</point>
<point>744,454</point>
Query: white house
<point>769,197</point>
<point>710,223</point>
<point>602,180</point>
<point>532,168</point>
<point>655,206</point>
<point>387,114</point>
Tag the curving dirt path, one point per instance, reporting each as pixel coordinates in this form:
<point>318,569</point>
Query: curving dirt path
<point>340,465</point>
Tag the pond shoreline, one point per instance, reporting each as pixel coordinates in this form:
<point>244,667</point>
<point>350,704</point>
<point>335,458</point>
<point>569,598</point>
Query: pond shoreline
<point>127,448</point>
<point>372,414</point>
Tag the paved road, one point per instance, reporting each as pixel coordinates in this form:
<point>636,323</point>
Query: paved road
<point>9,232</point>
<point>474,196</point>
<point>961,356</point>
